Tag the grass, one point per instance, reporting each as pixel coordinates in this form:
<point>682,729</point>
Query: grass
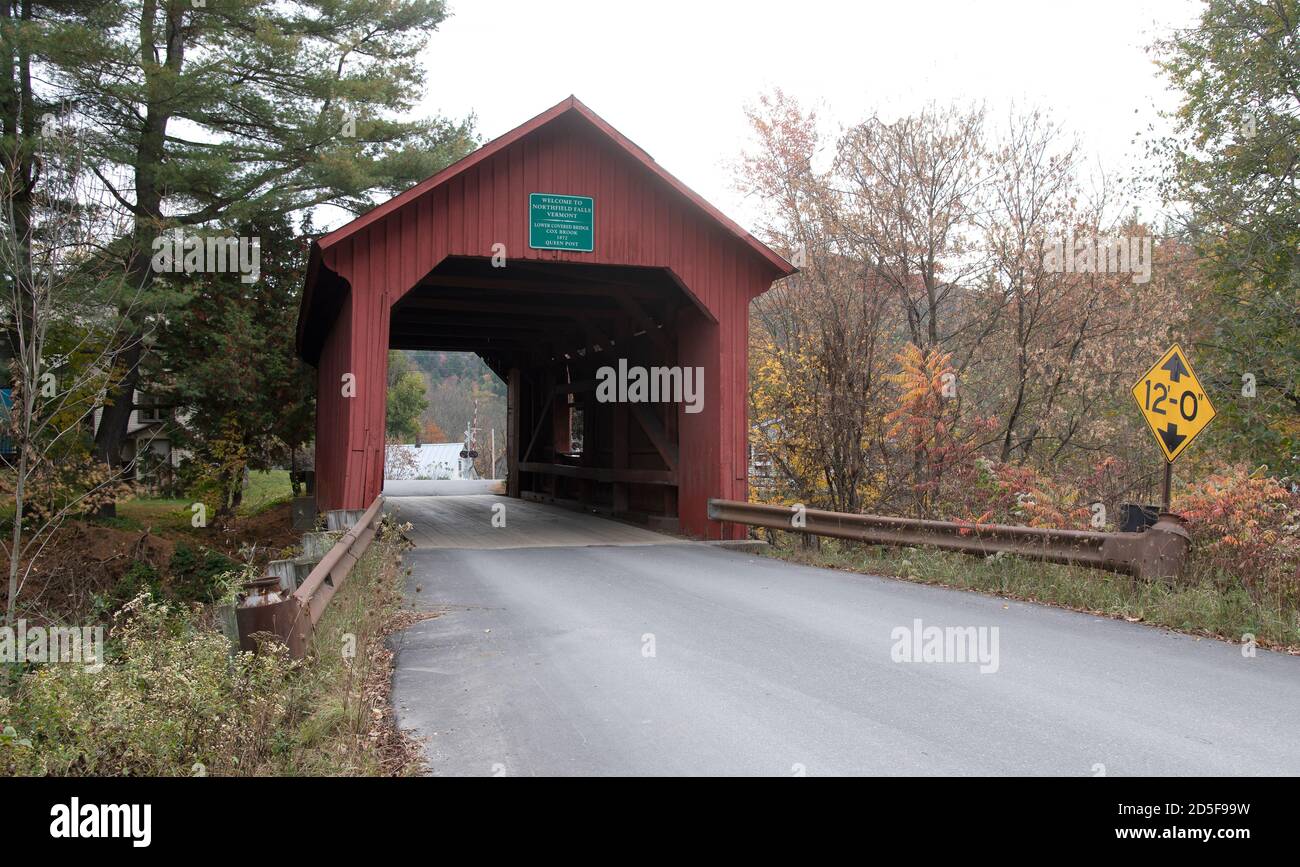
<point>159,513</point>
<point>1201,604</point>
<point>347,728</point>
<point>172,697</point>
<point>265,490</point>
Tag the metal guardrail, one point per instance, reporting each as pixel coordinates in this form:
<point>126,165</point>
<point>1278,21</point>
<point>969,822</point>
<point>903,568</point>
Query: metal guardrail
<point>294,618</point>
<point>1159,552</point>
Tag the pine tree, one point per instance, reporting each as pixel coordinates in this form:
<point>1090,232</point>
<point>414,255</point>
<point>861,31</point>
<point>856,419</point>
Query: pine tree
<point>226,362</point>
<point>208,115</point>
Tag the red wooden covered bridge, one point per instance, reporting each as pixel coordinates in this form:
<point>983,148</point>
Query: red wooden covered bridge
<point>552,252</point>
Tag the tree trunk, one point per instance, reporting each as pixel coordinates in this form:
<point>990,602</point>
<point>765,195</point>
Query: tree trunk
<point>150,154</point>
<point>15,550</point>
<point>19,125</point>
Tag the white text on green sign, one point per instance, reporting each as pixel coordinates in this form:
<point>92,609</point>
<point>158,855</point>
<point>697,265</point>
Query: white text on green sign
<point>557,222</point>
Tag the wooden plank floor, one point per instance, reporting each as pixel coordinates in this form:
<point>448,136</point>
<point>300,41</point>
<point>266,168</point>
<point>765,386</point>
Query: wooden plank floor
<point>466,522</point>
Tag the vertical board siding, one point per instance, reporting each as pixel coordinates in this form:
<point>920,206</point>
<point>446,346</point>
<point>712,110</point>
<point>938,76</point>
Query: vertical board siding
<point>639,220</point>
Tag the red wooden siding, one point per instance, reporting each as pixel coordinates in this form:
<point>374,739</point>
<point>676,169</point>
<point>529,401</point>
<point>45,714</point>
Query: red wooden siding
<point>642,218</point>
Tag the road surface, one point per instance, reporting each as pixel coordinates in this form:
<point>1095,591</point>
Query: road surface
<point>689,659</point>
<point>453,520</point>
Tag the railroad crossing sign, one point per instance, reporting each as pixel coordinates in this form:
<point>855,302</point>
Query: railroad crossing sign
<point>1173,402</point>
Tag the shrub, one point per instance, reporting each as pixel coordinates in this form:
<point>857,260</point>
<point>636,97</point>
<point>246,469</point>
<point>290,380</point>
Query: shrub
<point>214,476</point>
<point>1004,493</point>
<point>1248,529</point>
<point>142,577</point>
<point>198,575</point>
<point>70,484</point>
<point>173,697</point>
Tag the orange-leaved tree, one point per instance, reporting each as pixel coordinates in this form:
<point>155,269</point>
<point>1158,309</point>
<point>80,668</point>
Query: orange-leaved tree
<point>926,424</point>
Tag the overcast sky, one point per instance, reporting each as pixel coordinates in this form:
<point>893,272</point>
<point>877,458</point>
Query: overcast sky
<point>675,75</point>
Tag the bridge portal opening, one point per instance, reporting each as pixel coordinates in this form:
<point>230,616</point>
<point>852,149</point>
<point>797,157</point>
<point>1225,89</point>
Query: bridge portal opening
<point>553,332</point>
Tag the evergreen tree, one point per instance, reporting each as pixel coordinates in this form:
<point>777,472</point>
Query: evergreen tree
<point>215,114</point>
<point>225,359</point>
<point>1235,164</point>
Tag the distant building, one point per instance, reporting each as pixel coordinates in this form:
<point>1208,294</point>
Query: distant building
<point>763,477</point>
<point>428,461</point>
<point>766,480</point>
<point>149,448</point>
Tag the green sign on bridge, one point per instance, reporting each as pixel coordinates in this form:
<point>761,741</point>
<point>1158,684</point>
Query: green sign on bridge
<point>560,222</point>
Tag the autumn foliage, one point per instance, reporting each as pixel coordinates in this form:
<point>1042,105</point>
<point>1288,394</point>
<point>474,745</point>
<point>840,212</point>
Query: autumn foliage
<point>1248,528</point>
<point>931,360</point>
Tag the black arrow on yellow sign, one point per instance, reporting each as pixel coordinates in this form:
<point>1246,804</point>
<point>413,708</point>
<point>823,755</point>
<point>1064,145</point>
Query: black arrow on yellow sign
<point>1172,438</point>
<point>1176,369</point>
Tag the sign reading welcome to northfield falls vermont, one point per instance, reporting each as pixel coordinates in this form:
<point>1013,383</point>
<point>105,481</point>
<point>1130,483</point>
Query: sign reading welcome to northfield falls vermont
<point>1173,402</point>
<point>560,222</point>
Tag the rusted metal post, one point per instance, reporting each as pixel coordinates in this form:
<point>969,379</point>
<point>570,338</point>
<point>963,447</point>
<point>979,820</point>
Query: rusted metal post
<point>1165,550</point>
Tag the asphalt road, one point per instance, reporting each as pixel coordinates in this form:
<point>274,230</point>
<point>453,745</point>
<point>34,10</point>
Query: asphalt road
<point>451,520</point>
<point>538,665</point>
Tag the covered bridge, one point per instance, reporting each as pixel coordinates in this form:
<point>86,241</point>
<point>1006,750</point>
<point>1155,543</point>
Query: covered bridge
<point>558,252</point>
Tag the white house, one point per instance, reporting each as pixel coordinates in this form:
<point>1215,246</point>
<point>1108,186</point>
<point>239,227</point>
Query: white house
<point>148,443</point>
<point>428,461</point>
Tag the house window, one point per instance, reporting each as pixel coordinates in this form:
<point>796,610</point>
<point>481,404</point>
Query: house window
<point>153,413</point>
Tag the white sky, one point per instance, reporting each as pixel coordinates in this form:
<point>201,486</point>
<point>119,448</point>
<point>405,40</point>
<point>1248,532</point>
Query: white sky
<point>675,75</point>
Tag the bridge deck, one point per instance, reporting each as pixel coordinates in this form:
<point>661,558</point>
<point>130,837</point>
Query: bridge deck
<point>465,521</point>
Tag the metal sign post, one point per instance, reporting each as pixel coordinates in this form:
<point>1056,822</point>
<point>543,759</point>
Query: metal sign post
<point>1167,498</point>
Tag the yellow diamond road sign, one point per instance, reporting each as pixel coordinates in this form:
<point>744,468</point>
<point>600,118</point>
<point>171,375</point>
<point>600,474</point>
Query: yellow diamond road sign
<point>1173,402</point>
